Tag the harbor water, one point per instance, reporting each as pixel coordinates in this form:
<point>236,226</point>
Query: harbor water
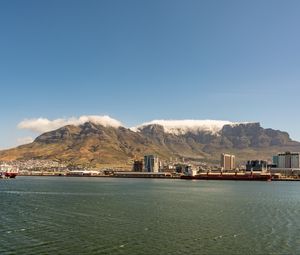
<point>69,215</point>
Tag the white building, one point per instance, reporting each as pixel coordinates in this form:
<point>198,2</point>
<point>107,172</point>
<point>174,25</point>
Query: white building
<point>151,163</point>
<point>227,162</point>
<point>83,173</point>
<point>288,160</point>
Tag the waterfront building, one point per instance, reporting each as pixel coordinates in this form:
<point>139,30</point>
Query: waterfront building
<point>286,172</point>
<point>287,160</point>
<point>167,168</point>
<point>275,160</point>
<point>83,173</point>
<point>186,169</point>
<point>257,165</point>
<point>151,163</point>
<point>227,161</point>
<point>137,166</point>
<point>179,168</point>
<point>190,171</point>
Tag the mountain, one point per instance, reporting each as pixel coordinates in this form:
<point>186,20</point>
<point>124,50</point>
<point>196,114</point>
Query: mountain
<point>88,144</point>
<point>207,140</point>
<point>93,144</point>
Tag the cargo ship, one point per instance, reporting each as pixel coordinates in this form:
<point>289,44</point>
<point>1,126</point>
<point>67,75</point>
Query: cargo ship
<point>7,171</point>
<point>229,176</point>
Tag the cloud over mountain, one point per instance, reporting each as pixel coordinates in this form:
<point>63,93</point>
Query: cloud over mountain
<point>183,126</point>
<point>177,127</point>
<point>41,125</point>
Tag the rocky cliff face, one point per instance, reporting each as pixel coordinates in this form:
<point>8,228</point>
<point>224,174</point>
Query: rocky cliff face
<point>96,145</point>
<point>253,135</point>
<point>239,136</point>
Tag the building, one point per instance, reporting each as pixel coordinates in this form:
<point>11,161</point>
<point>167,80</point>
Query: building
<point>185,169</point>
<point>151,164</point>
<point>275,161</point>
<point>137,166</point>
<point>227,161</point>
<point>257,165</point>
<point>83,173</point>
<point>287,160</point>
<point>179,168</point>
<point>286,172</point>
<point>167,168</point>
<point>190,171</point>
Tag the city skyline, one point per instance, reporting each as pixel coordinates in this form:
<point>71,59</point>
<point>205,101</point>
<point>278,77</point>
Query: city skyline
<point>138,61</point>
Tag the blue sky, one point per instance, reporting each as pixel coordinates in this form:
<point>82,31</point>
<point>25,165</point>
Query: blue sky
<point>142,60</point>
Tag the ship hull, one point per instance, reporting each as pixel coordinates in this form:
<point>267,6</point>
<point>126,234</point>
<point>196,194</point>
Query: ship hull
<point>10,175</point>
<point>227,177</point>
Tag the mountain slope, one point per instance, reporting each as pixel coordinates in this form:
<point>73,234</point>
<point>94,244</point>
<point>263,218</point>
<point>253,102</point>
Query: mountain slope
<point>87,144</point>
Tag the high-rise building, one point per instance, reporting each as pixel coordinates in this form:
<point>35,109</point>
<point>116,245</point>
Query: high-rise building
<point>227,162</point>
<point>151,163</point>
<point>287,160</point>
<point>137,166</point>
<point>276,160</point>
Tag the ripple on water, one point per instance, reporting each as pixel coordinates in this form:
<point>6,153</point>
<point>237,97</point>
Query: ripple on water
<point>104,216</point>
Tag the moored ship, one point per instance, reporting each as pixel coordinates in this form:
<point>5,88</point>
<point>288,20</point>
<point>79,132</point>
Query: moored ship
<point>7,171</point>
<point>230,176</point>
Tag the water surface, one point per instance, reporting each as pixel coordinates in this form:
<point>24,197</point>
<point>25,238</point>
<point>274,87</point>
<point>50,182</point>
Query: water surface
<point>65,215</point>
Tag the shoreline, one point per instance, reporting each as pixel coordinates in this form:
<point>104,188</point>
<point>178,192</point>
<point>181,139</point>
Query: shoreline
<point>155,177</point>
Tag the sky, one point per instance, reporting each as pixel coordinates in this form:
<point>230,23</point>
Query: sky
<point>137,61</point>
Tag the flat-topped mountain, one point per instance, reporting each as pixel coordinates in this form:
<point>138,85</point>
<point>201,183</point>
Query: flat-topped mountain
<point>93,144</point>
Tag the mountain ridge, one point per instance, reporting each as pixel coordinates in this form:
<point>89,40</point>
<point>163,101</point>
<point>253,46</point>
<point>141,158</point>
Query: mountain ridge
<point>93,144</point>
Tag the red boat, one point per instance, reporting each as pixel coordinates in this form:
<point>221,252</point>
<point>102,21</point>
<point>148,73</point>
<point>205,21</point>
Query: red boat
<point>10,175</point>
<point>230,176</point>
<point>7,171</point>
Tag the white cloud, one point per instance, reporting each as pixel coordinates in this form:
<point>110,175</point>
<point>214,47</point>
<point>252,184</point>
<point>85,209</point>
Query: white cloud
<point>42,125</point>
<point>183,126</point>
<point>25,140</point>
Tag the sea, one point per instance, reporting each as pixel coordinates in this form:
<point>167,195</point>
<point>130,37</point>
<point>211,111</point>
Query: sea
<point>82,215</point>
